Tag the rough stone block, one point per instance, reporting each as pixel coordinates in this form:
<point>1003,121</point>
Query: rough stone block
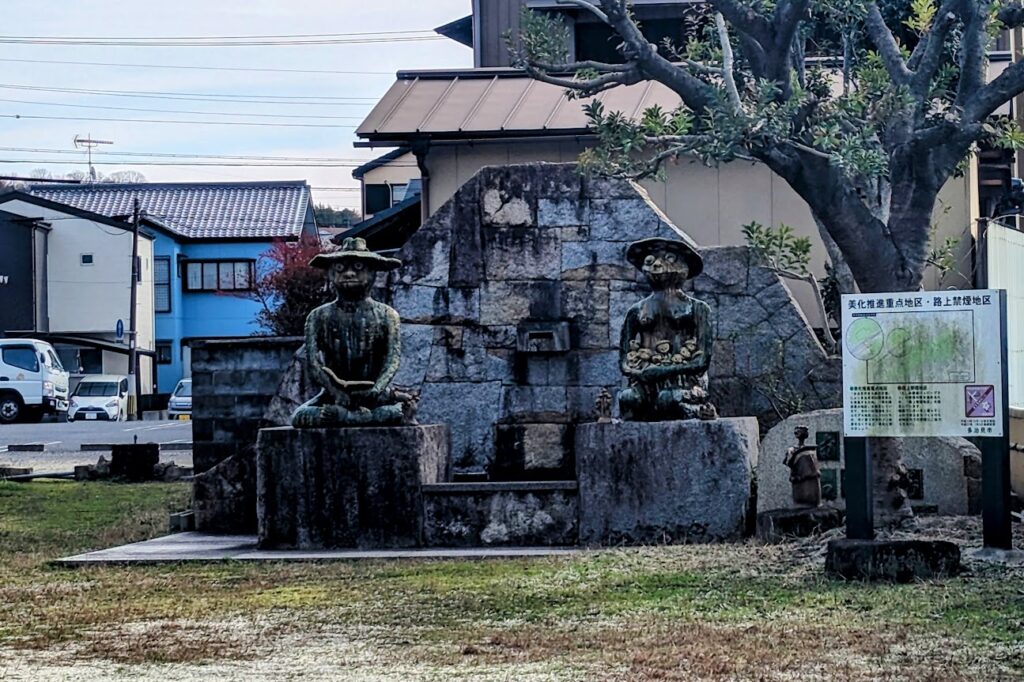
<point>941,461</point>
<point>508,514</point>
<point>561,212</point>
<point>352,487</point>
<point>599,368</point>
<point>506,206</point>
<point>224,497</point>
<point>470,410</point>
<point>595,260</point>
<point>417,342</point>
<point>546,370</point>
<point>509,303</point>
<point>779,524</point>
<point>675,481</point>
<point>534,403</point>
<point>900,561</point>
<point>532,452</point>
<point>725,270</point>
<point>623,220</point>
<point>521,253</point>
<point>421,304</point>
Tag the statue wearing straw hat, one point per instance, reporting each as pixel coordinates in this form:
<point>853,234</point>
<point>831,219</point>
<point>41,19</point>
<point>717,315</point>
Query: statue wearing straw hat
<point>353,347</point>
<point>665,347</point>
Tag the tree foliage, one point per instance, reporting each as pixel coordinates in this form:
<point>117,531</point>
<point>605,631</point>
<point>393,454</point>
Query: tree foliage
<point>864,108</point>
<point>288,287</point>
<point>328,216</point>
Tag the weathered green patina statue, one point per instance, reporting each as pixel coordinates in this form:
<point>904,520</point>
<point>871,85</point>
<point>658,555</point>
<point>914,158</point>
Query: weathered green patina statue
<point>353,347</point>
<point>665,347</point>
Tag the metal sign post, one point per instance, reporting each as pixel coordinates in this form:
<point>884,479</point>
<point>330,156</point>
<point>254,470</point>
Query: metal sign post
<point>920,364</point>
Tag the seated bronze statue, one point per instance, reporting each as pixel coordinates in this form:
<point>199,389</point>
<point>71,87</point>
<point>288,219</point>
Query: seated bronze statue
<point>353,347</point>
<point>665,347</point>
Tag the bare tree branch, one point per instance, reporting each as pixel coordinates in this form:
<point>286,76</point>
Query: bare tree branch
<point>927,56</point>
<point>727,64</point>
<point>746,20</point>
<point>1000,90</point>
<point>587,87</point>
<point>888,49</point>
<point>590,7</point>
<point>573,67</point>
<point>973,59</point>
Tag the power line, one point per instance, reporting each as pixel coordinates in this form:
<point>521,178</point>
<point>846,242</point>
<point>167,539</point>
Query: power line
<point>240,42</point>
<point>179,111</point>
<point>201,97</point>
<point>155,120</point>
<point>200,68</point>
<point>177,155</point>
<point>275,164</point>
<point>229,37</point>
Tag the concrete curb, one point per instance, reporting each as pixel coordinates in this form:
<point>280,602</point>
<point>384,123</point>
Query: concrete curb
<point>26,447</point>
<point>103,447</point>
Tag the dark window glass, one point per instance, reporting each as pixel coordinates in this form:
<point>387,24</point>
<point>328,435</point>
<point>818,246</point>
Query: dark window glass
<point>22,357</point>
<point>378,198</point>
<point>87,259</point>
<point>598,42</point>
<point>96,389</point>
<point>124,385</point>
<point>184,390</point>
<point>163,353</point>
<point>91,360</point>
<point>162,284</point>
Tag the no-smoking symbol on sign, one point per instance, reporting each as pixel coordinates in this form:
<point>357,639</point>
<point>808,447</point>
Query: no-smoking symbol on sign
<point>980,401</point>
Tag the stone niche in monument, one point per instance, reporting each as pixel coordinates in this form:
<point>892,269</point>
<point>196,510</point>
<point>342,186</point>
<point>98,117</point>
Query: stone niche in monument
<point>350,470</point>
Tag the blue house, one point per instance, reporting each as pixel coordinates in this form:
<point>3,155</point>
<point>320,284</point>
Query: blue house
<point>214,241</point>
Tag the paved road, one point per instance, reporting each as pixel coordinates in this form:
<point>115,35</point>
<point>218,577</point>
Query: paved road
<point>63,441</point>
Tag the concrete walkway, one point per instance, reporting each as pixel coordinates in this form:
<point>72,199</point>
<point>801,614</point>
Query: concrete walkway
<point>194,546</point>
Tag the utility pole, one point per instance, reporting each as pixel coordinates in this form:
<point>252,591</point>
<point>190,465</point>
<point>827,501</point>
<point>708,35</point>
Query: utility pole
<point>134,380</point>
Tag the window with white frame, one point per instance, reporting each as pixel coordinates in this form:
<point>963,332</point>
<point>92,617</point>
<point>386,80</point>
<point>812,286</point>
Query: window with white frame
<point>219,275</point>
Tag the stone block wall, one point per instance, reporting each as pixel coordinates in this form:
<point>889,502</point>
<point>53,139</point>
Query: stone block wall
<point>233,383</point>
<point>540,244</point>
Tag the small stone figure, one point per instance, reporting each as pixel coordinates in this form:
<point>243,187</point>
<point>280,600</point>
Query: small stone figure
<point>665,347</point>
<point>603,406</point>
<point>804,474</point>
<point>353,347</point>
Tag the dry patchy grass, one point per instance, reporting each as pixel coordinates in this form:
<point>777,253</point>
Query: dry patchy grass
<point>725,612</point>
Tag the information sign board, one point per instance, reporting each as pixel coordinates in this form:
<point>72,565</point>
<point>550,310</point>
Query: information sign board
<point>923,364</point>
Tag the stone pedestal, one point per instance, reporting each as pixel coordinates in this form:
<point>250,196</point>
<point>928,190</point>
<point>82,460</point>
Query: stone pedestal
<point>779,524</point>
<point>900,561</point>
<point>658,482</point>
<point>346,487</point>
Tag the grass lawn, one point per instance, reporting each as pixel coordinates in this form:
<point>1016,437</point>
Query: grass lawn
<point>724,612</point>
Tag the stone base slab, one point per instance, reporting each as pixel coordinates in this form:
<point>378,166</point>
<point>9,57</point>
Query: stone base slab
<point>900,561</point>
<point>779,524</point>
<point>665,482</point>
<point>500,514</point>
<point>346,487</point>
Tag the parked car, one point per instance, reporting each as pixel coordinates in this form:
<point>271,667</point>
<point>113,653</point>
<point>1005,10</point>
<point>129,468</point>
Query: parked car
<point>180,404</point>
<point>102,397</point>
<point>32,381</point>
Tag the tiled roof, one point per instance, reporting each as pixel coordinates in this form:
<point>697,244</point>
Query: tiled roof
<point>224,210</point>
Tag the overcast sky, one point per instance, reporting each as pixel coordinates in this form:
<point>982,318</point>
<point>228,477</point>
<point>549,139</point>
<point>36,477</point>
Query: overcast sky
<point>181,18</point>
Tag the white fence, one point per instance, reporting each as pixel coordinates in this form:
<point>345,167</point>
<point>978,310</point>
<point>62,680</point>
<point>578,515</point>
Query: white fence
<point>1005,258</point>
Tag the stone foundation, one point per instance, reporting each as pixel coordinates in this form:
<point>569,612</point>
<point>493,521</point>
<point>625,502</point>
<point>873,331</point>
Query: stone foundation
<point>779,524</point>
<point>351,487</point>
<point>500,514</point>
<point>665,482</point>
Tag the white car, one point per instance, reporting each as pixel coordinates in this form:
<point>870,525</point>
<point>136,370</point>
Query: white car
<point>180,404</point>
<point>32,381</point>
<point>102,397</point>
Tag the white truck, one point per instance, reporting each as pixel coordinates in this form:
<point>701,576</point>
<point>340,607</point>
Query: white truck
<point>32,381</point>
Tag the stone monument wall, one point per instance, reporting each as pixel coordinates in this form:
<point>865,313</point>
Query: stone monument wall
<point>233,383</point>
<point>513,295</point>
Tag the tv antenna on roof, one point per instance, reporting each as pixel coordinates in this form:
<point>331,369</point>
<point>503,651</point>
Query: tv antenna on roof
<point>88,143</point>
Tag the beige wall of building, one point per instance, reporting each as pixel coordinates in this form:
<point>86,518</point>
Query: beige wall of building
<point>710,204</point>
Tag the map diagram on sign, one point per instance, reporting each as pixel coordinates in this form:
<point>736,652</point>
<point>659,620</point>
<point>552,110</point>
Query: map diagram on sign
<point>901,348</point>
